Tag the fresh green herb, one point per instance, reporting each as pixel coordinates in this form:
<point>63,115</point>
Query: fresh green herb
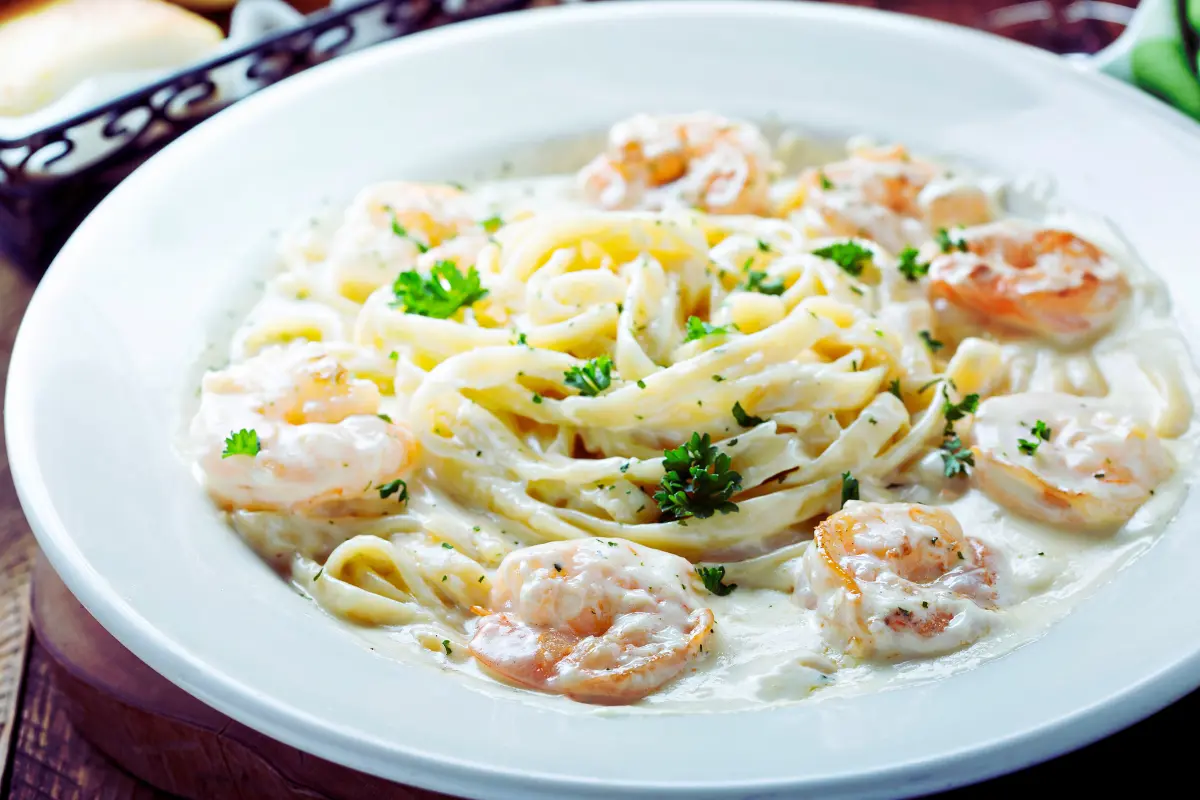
<point>1041,430</point>
<point>826,184</point>
<point>537,399</point>
<point>393,355</point>
<point>924,604</point>
<point>444,292</point>
<point>718,378</point>
<point>384,417</point>
<point>320,572</point>
<point>955,457</point>
<point>399,230</point>
<point>447,545</point>
<point>1027,447</point>
<point>592,378</point>
<point>933,344</point>
<point>641,384</point>
<point>756,281</point>
<point>492,223</point>
<point>856,290</point>
<point>953,412</point>
<point>446,646</point>
<point>850,256</point>
<point>744,419</point>
<point>947,243</point>
<point>522,340</point>
<point>389,489</point>
<point>849,488</point>
<point>763,247</point>
<point>241,443</point>
<point>909,267</point>
<point>930,384</point>
<point>698,480</point>
<point>894,388</point>
<point>698,330</point>
<point>713,578</point>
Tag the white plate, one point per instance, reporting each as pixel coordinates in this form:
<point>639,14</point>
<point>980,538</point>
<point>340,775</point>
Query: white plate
<point>108,353</point>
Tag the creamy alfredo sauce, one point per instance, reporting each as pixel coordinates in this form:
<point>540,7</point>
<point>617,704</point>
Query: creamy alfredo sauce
<point>766,648</point>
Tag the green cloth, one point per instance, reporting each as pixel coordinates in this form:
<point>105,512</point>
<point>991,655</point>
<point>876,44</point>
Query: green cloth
<point>1160,54</point>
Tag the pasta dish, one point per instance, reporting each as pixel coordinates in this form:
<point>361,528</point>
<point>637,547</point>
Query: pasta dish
<point>699,425</point>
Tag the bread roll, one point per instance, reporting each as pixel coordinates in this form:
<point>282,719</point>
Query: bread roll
<point>48,46</point>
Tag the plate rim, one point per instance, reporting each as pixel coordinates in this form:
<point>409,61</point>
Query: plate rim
<point>286,723</point>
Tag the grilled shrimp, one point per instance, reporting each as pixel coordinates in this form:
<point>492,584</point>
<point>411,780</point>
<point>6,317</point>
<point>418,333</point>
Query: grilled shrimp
<point>1043,281</point>
<point>602,621</point>
<point>700,160</point>
<point>319,445</point>
<point>1070,461</point>
<point>897,580</point>
<point>884,194</point>
<point>390,226</point>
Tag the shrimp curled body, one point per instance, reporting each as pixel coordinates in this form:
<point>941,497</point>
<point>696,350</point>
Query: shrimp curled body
<point>694,160</point>
<point>323,449</point>
<point>1042,281</point>
<point>1094,470</point>
<point>602,621</point>
<point>897,580</point>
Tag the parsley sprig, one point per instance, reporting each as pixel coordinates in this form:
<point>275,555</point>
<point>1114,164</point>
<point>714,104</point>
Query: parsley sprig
<point>948,243</point>
<point>241,443</point>
<point>444,292</point>
<point>744,419</point>
<point>388,489</point>
<point>698,480</point>
<point>912,269</point>
<point>756,281</point>
<point>849,488</point>
<point>713,578</point>
<point>850,256</point>
<point>697,329</point>
<point>592,378</point>
<point>933,344</point>
<point>1041,433</point>
<point>956,457</point>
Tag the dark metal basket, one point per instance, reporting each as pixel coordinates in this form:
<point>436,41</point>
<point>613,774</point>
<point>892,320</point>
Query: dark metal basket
<point>51,179</point>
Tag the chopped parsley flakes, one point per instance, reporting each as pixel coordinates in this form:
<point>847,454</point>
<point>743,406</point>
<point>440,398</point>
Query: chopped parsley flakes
<point>756,281</point>
<point>850,256</point>
<point>698,480</point>
<point>955,457</point>
<point>439,296</point>
<point>241,443</point>
<point>696,329</point>
<point>389,489</point>
<point>713,578</point>
<point>744,419</point>
<point>1041,433</point>
<point>909,267</point>
<point>849,488</point>
<point>399,230</point>
<point>947,243</point>
<point>933,344</point>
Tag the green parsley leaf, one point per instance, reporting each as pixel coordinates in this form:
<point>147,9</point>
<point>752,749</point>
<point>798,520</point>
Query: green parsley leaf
<point>492,223</point>
<point>399,230</point>
<point>763,247</point>
<point>592,378</point>
<point>1041,430</point>
<point>384,417</point>
<point>953,412</point>
<point>1041,433</point>
<point>947,243</point>
<point>909,267</point>
<point>713,578</point>
<point>933,344</point>
<point>756,281</point>
<point>241,443</point>
<point>955,457</point>
<point>446,646</point>
<point>849,488</point>
<point>826,184</point>
<point>447,545</point>
<point>850,256</point>
<point>1027,447</point>
<point>698,330</point>
<point>894,388</point>
<point>389,489</point>
<point>698,480</point>
<point>444,292</point>
<point>641,384</point>
<point>744,419</point>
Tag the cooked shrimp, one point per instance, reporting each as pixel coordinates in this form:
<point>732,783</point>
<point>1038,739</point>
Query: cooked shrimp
<point>322,448</point>
<point>1086,466</point>
<point>897,580</point>
<point>1043,281</point>
<point>389,225</point>
<point>600,620</point>
<point>885,195</point>
<point>699,160</point>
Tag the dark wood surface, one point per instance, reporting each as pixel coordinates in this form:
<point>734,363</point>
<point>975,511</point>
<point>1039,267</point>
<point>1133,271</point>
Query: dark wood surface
<point>44,757</point>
